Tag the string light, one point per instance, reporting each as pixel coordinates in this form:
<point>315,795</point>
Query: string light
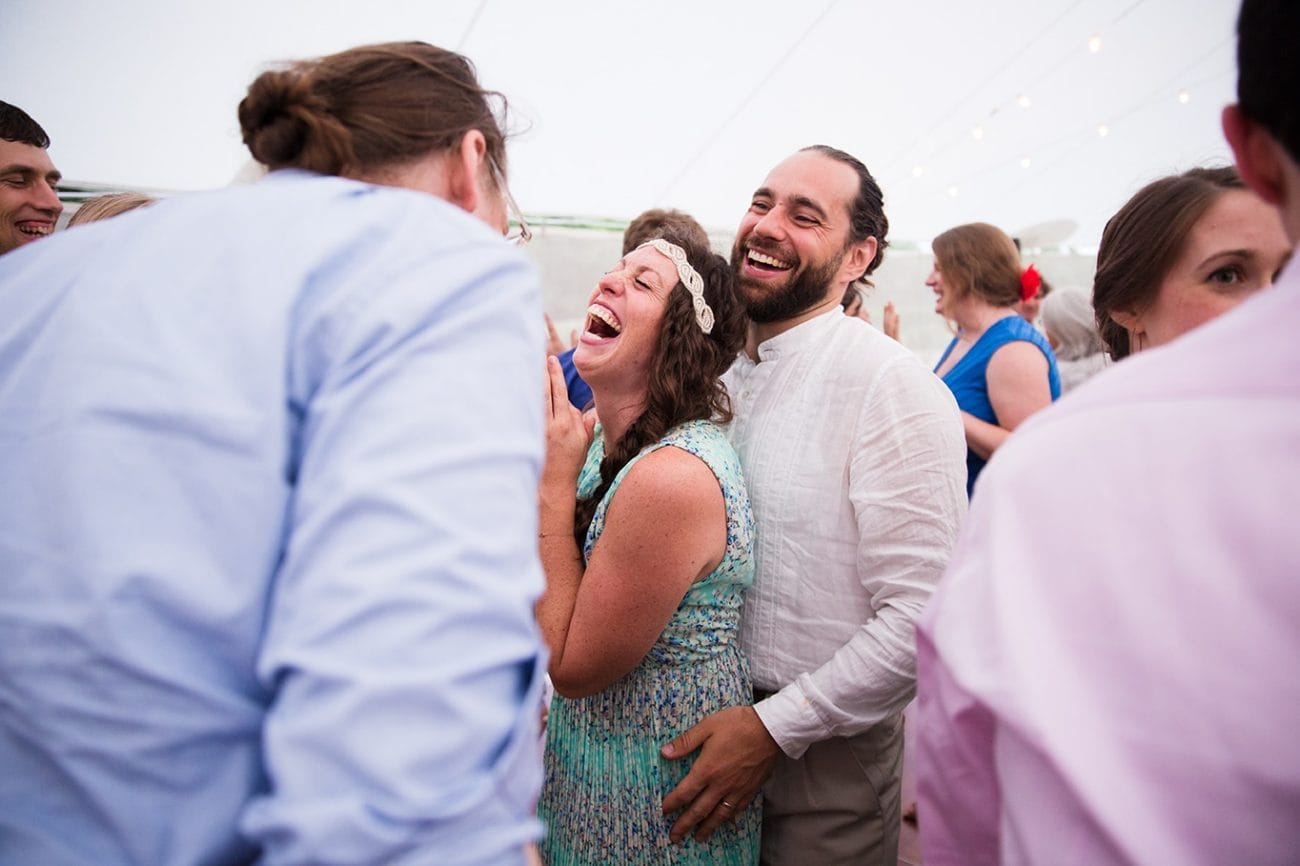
<point>1025,102</point>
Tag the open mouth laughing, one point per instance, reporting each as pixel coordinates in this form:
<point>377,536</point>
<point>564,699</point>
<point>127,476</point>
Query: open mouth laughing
<point>759,262</point>
<point>602,323</point>
<point>764,262</point>
<point>34,229</point>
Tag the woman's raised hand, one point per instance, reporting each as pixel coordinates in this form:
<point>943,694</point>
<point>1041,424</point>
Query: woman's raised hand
<point>568,431</point>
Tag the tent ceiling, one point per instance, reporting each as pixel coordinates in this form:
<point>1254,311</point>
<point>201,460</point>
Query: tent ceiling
<point>965,111</point>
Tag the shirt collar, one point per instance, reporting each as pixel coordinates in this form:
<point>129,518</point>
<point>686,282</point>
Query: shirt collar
<point>801,335</point>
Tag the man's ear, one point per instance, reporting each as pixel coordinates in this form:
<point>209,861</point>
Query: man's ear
<point>466,161</point>
<point>856,262</point>
<point>1256,153</point>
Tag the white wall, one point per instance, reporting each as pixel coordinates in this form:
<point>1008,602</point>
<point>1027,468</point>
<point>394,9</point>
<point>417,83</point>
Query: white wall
<point>572,260</point>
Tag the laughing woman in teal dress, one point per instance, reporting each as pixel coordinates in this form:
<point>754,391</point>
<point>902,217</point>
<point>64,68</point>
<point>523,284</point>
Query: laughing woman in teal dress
<point>646,540</point>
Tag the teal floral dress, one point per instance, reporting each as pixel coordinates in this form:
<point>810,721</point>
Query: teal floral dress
<point>602,801</point>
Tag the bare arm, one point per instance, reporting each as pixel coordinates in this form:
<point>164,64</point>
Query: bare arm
<point>664,529</point>
<point>568,435</point>
<point>1018,387</point>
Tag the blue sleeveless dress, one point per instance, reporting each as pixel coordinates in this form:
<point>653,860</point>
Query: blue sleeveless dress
<point>602,801</point>
<point>968,383</point>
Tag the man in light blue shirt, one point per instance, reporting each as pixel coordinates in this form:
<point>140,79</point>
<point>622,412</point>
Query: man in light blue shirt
<point>268,465</point>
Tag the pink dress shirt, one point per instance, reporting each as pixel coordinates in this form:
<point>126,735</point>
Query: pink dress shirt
<point>1109,671</point>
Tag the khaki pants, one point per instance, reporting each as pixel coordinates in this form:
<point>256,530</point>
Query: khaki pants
<point>839,803</point>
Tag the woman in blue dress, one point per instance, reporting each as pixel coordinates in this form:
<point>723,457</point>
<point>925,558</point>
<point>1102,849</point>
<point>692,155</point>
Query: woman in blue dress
<point>999,367</point>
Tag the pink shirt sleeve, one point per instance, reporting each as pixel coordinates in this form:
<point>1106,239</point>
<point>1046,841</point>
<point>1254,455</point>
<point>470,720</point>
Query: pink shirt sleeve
<point>959,800</point>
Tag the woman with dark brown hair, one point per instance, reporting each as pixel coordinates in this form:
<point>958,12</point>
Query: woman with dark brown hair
<point>646,540</point>
<point>1183,250</point>
<point>1000,369</point>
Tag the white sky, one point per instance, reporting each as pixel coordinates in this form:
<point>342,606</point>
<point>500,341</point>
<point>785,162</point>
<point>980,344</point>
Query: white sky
<point>681,103</point>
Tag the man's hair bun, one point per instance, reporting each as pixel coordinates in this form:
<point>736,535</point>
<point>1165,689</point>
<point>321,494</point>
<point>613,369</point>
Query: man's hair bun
<point>286,123</point>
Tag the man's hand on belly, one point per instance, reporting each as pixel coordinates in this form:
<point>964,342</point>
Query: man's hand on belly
<point>737,755</point>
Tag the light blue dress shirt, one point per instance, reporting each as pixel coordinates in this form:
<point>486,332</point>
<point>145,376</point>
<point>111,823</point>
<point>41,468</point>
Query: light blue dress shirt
<point>268,466</point>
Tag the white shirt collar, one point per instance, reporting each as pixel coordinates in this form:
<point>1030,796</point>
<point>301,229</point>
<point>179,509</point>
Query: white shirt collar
<point>801,335</point>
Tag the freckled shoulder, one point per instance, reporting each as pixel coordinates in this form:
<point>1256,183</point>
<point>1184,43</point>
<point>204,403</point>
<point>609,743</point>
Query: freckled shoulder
<point>668,478</point>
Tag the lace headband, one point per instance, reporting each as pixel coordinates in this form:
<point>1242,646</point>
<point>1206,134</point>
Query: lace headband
<point>690,279</point>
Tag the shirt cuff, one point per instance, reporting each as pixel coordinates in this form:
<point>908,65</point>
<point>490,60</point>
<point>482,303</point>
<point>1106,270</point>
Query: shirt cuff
<point>792,721</point>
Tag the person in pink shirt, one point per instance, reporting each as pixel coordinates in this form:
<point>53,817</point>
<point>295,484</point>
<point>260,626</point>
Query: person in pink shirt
<point>1105,672</point>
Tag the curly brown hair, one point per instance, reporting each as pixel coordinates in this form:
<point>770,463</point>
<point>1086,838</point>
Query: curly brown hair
<point>685,374</point>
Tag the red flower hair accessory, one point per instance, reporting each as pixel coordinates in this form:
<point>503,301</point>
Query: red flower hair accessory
<point>1030,282</point>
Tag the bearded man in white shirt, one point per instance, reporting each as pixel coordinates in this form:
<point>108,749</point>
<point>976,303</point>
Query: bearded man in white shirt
<point>855,461</point>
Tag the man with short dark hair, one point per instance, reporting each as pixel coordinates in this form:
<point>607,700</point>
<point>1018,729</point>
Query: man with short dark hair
<point>29,182</point>
<point>1106,670</point>
<point>854,458</point>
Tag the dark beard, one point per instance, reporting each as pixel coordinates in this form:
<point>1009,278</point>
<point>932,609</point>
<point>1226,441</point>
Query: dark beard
<point>805,290</point>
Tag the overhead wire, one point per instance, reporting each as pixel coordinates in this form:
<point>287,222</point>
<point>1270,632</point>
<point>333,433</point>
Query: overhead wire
<point>743,104</point>
<point>1089,131</point>
<point>988,79</point>
<point>1078,138</point>
<point>469,28</point>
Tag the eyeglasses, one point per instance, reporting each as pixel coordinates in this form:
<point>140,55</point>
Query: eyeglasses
<point>521,234</point>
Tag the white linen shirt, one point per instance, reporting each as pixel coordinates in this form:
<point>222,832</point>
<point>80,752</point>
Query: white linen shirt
<point>855,460</point>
